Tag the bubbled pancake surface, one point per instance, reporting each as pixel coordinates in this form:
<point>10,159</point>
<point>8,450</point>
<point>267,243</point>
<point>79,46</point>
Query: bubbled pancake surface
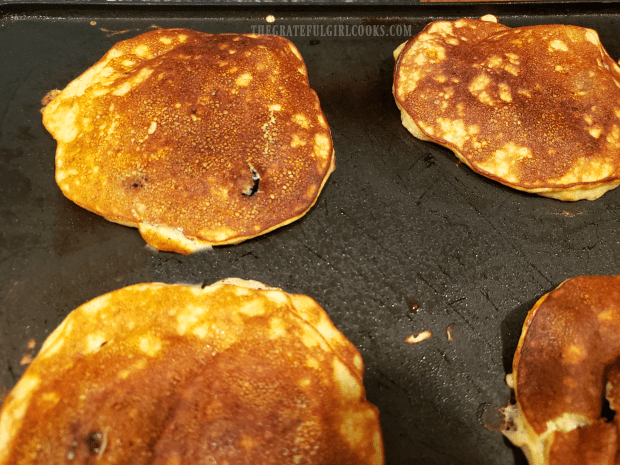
<point>564,365</point>
<point>233,373</point>
<point>536,108</point>
<point>197,139</point>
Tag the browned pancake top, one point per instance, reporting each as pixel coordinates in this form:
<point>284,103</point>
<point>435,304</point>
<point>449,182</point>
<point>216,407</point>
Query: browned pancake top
<point>532,107</point>
<point>157,374</point>
<point>218,137</point>
<point>595,444</point>
<point>570,338</point>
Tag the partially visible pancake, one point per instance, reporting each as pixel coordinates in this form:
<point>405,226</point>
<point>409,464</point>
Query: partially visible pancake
<point>566,363</point>
<point>233,373</point>
<point>536,108</point>
<point>196,139</point>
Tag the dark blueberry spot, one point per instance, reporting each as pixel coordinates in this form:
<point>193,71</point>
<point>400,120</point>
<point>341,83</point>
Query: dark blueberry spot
<point>94,441</point>
<point>139,182</point>
<point>254,189</point>
<point>607,413</point>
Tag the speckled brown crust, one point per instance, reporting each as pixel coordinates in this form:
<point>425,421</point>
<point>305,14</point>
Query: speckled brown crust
<point>234,373</point>
<point>565,364</point>
<point>595,444</point>
<point>197,139</point>
<point>536,108</point>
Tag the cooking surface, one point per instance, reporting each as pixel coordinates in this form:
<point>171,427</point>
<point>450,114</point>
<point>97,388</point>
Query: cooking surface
<point>403,238</point>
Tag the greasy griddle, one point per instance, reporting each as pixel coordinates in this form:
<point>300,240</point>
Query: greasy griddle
<point>403,238</point>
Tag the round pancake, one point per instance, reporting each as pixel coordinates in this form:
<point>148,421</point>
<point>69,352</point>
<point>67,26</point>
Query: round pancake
<point>234,373</point>
<point>565,364</point>
<point>536,108</point>
<point>196,139</point>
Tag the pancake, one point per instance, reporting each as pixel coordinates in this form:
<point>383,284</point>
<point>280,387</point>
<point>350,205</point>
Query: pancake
<point>535,108</point>
<point>235,373</point>
<point>565,365</point>
<point>195,139</point>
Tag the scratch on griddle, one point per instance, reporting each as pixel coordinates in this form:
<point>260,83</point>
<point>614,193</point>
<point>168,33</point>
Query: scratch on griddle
<point>393,135</point>
<point>475,333</point>
<point>485,293</point>
<point>473,381</point>
<point>316,253</point>
<point>498,206</point>
<point>462,317</point>
<point>390,143</point>
<point>401,181</point>
<point>504,237</point>
<point>427,282</point>
<point>10,370</point>
<point>392,382</point>
<point>375,240</point>
<point>323,204</point>
<point>251,254</point>
<point>426,192</point>
<point>568,214</point>
<point>342,162</point>
<point>413,164</point>
<point>110,33</point>
<point>455,301</point>
<point>443,271</point>
<point>468,187</point>
<point>444,356</point>
<point>540,273</point>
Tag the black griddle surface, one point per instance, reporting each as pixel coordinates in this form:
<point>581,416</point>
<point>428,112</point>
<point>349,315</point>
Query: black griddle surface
<point>400,224</point>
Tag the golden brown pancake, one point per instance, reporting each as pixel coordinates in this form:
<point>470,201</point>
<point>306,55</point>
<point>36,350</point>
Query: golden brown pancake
<point>235,373</point>
<point>196,139</point>
<point>536,108</point>
<point>565,364</point>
